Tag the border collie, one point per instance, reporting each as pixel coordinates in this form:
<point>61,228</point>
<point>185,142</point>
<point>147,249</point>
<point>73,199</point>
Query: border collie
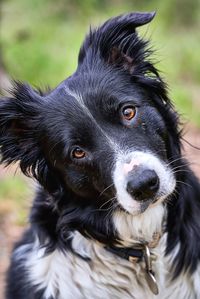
<point>117,213</point>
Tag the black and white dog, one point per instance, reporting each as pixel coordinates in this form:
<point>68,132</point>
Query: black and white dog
<point>117,213</point>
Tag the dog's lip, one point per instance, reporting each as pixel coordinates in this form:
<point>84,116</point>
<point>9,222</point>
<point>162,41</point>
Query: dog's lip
<point>143,206</point>
<point>129,209</point>
<point>148,204</point>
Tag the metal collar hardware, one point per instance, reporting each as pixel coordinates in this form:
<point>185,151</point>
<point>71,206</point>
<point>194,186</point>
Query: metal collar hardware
<point>137,253</point>
<point>149,274</point>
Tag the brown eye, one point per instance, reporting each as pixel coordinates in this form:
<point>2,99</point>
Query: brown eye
<point>128,113</point>
<point>78,153</point>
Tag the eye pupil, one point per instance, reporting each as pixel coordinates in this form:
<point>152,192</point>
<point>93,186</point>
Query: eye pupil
<point>78,153</point>
<point>128,113</point>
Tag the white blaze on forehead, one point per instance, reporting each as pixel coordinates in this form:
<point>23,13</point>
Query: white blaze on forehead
<point>80,101</point>
<point>149,161</point>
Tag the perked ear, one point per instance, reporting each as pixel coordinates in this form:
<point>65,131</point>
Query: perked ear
<point>118,42</point>
<point>19,129</point>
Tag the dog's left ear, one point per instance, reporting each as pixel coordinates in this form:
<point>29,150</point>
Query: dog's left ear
<point>21,133</point>
<point>118,42</point>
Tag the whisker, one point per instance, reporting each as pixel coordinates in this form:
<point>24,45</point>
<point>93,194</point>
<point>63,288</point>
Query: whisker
<point>111,210</point>
<point>180,166</point>
<point>100,208</point>
<point>109,200</point>
<point>106,189</point>
<point>169,201</point>
<point>175,160</point>
<point>185,184</point>
<point>181,170</point>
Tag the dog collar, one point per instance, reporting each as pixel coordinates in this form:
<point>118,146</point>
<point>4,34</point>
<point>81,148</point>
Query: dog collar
<point>138,253</point>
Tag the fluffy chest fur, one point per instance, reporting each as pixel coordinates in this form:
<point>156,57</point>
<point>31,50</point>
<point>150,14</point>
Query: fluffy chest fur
<point>62,275</point>
<point>65,275</point>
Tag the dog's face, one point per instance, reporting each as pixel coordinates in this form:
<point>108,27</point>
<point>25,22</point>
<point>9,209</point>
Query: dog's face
<point>110,142</point>
<point>106,135</point>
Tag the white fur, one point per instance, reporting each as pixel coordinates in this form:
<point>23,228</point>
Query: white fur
<point>67,276</point>
<point>150,161</point>
<point>196,281</point>
<point>139,228</point>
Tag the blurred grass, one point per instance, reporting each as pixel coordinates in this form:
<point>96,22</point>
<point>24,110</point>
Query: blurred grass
<point>40,42</point>
<point>41,39</point>
<point>14,198</point>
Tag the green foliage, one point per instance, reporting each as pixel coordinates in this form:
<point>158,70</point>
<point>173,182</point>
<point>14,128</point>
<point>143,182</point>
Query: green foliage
<point>14,188</point>
<point>14,198</point>
<point>40,40</point>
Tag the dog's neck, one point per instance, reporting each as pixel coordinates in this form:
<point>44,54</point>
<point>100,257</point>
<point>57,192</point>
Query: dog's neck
<point>136,233</point>
<point>132,230</point>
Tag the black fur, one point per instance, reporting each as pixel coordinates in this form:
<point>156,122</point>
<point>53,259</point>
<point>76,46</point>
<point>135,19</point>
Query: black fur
<point>38,130</point>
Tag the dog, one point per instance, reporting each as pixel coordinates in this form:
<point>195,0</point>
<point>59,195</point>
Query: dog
<point>116,213</point>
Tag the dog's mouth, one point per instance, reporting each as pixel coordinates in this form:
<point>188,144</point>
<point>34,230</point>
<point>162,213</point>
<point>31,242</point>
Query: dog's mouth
<point>144,205</point>
<point>141,207</point>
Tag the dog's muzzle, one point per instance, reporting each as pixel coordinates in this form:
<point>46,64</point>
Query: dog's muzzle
<point>141,179</point>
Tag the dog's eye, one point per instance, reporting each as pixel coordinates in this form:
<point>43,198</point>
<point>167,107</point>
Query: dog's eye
<point>128,112</point>
<point>78,153</point>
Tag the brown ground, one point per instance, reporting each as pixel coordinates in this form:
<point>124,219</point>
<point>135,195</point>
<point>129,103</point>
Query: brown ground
<point>10,232</point>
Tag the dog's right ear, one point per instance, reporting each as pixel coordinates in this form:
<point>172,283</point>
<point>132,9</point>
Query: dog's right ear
<point>20,128</point>
<point>22,136</point>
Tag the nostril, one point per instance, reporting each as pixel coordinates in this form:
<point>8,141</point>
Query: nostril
<point>154,183</point>
<point>137,194</point>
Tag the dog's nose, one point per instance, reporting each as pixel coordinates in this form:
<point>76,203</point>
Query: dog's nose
<point>143,184</point>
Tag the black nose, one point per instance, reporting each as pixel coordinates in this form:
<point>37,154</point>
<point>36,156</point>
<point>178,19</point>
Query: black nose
<point>143,184</point>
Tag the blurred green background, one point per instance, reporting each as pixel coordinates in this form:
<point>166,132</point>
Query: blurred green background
<point>40,39</point>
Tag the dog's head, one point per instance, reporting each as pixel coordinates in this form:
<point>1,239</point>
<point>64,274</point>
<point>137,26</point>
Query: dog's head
<point>106,137</point>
